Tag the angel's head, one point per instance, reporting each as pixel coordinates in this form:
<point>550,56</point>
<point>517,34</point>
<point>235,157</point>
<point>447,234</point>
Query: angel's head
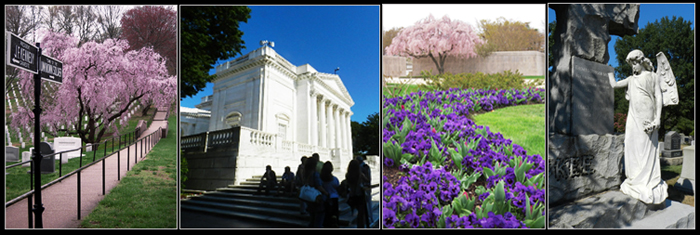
<point>639,62</point>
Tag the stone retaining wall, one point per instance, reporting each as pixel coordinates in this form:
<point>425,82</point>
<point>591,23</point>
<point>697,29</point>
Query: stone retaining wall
<point>528,63</point>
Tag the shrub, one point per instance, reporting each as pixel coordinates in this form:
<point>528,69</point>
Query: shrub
<point>498,81</point>
<point>620,122</point>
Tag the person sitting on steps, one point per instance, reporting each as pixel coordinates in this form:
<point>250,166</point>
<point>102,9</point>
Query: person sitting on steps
<point>288,182</point>
<point>268,181</point>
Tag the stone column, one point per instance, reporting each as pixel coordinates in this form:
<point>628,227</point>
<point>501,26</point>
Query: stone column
<point>336,126</point>
<point>313,120</point>
<point>346,136</point>
<point>349,134</point>
<point>330,123</point>
<point>322,123</point>
<point>343,131</point>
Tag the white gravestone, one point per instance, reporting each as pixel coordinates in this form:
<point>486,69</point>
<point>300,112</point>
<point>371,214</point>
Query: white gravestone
<point>26,156</point>
<point>686,182</point>
<point>67,143</point>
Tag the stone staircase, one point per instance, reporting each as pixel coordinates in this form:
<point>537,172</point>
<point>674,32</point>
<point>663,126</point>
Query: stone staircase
<point>243,202</point>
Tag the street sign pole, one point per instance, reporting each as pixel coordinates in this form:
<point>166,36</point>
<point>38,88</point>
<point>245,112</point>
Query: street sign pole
<point>38,206</point>
<point>23,55</point>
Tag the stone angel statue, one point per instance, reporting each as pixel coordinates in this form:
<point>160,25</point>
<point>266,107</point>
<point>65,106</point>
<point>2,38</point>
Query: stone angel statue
<point>662,81</point>
<point>647,92</point>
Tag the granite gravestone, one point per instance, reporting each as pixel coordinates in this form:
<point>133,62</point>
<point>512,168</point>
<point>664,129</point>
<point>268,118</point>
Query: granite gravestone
<point>672,145</point>
<point>11,154</point>
<point>582,166</point>
<point>592,98</point>
<point>584,155</point>
<point>48,163</point>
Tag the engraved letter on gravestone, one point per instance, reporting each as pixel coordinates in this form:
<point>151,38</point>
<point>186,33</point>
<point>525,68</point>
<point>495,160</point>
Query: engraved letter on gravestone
<point>592,98</point>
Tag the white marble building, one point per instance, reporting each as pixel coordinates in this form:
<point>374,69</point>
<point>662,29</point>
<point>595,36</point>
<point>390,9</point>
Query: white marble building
<point>194,120</point>
<point>285,112</point>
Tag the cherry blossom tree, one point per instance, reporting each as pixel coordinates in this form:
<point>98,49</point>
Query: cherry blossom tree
<point>101,82</point>
<point>156,27</point>
<point>437,40</point>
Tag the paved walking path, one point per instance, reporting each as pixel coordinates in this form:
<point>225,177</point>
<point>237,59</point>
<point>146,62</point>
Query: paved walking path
<point>60,199</point>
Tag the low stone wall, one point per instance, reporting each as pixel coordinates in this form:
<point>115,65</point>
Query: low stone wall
<point>211,159</point>
<point>228,157</point>
<point>210,170</point>
<point>141,127</point>
<point>528,63</point>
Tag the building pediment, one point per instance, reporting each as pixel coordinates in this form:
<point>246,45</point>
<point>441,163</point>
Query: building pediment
<point>332,83</point>
<point>263,56</point>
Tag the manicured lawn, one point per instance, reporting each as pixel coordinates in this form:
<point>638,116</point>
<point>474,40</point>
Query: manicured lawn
<point>523,124</point>
<point>394,90</point>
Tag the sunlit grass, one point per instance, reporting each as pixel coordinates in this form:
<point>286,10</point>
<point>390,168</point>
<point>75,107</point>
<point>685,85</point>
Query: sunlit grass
<point>523,124</point>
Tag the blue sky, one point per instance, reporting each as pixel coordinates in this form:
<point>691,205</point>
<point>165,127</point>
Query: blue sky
<point>648,13</point>
<point>326,37</point>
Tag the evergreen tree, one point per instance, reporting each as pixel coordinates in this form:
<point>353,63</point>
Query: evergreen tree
<point>675,38</point>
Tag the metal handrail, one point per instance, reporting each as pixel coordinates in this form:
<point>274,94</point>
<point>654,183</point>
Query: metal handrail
<point>75,149</point>
<point>148,139</point>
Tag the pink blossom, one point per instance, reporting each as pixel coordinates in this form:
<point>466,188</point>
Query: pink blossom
<point>101,81</point>
<point>436,39</point>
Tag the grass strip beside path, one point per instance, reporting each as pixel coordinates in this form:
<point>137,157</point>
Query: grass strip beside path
<point>147,197</point>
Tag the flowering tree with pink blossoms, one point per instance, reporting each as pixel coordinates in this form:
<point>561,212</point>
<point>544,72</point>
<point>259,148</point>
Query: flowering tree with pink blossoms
<point>101,82</point>
<point>436,39</point>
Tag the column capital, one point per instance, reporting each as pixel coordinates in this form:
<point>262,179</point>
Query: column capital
<point>324,99</point>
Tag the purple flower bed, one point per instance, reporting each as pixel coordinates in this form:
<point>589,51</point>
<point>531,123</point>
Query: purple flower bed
<point>453,172</point>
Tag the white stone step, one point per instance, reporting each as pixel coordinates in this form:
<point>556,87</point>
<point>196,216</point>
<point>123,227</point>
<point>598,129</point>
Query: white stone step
<point>675,215</point>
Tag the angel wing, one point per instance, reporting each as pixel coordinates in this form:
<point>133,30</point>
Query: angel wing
<point>666,80</point>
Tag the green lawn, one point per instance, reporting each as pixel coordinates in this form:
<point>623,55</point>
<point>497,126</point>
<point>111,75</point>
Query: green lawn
<point>523,124</point>
<point>147,197</point>
<point>394,90</point>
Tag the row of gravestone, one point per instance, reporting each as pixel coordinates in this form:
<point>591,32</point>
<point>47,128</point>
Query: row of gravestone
<point>23,100</point>
<point>60,144</point>
<point>21,140</point>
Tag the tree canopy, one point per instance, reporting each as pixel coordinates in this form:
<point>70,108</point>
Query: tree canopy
<point>101,82</point>
<point>508,35</point>
<point>207,34</point>
<point>675,38</point>
<point>365,136</point>
<point>436,39</point>
<point>155,27</point>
